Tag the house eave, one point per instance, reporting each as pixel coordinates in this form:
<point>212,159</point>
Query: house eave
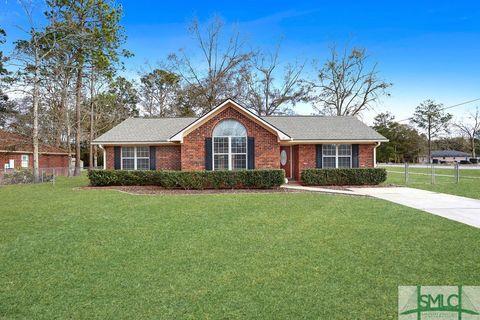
<point>333,141</point>
<point>147,143</point>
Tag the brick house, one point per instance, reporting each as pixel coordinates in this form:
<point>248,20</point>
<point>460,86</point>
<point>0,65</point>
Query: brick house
<point>16,152</point>
<point>230,137</point>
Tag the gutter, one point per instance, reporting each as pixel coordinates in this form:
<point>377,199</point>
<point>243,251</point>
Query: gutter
<point>375,153</point>
<point>136,143</point>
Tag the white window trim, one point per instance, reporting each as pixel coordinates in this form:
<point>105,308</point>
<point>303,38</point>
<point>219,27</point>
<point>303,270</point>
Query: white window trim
<point>336,156</point>
<point>135,158</point>
<point>22,161</point>
<point>230,153</point>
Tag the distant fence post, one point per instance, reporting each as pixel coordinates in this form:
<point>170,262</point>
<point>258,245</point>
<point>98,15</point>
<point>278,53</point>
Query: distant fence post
<point>457,173</point>
<point>406,172</point>
<point>53,176</point>
<point>433,173</point>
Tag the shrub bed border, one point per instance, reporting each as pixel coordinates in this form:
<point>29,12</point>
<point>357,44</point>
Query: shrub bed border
<point>347,176</point>
<point>190,180</point>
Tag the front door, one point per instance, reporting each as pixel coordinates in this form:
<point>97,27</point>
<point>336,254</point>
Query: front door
<point>286,160</point>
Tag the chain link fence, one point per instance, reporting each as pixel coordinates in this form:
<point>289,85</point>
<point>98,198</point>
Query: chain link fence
<point>24,176</point>
<point>409,173</point>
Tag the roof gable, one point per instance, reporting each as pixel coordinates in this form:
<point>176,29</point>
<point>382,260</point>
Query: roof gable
<point>15,142</point>
<point>178,137</point>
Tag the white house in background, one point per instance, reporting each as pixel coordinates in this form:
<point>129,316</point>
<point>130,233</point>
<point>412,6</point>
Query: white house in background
<point>446,156</point>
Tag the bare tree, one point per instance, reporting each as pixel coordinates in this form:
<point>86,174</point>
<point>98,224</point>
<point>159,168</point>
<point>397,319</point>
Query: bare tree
<point>266,94</point>
<point>470,127</point>
<point>347,85</point>
<point>96,32</point>
<point>217,75</point>
<point>158,91</point>
<point>32,53</point>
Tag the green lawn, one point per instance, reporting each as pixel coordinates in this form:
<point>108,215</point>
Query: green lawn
<point>98,254</point>
<point>469,185</point>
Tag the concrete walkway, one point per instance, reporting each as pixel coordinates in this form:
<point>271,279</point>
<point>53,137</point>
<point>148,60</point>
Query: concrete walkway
<point>460,209</point>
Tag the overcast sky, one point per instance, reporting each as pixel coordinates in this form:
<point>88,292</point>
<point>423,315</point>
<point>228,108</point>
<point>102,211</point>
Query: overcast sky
<point>427,49</point>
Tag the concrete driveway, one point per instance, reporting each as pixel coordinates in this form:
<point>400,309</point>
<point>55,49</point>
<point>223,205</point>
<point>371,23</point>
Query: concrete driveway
<point>461,209</point>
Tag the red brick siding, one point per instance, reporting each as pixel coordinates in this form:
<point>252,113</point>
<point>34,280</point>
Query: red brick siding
<point>267,147</point>
<point>44,161</point>
<point>110,158</point>
<point>306,157</point>
<point>365,154</point>
<point>53,161</point>
<point>168,157</point>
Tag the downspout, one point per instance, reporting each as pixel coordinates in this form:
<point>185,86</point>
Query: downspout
<point>104,157</point>
<point>375,153</point>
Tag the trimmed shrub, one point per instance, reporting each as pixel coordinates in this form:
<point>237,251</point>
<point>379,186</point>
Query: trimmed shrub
<point>338,177</point>
<point>18,176</point>
<point>197,180</point>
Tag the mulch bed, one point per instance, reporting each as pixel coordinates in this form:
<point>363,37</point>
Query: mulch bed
<point>155,190</point>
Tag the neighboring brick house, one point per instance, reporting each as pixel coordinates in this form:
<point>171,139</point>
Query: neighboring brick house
<point>16,152</point>
<point>230,137</point>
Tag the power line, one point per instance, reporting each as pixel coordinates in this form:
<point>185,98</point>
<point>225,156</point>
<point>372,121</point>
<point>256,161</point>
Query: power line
<point>449,107</point>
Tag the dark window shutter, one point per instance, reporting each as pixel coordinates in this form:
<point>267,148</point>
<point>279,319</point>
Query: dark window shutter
<point>251,153</point>
<point>153,158</point>
<point>355,162</point>
<point>117,153</point>
<point>208,153</point>
<point>319,154</point>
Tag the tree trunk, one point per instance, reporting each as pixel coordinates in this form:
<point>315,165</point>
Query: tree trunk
<point>429,139</point>
<point>91,165</point>
<point>69,144</point>
<point>78,120</point>
<point>473,147</point>
<point>95,156</point>
<point>36,173</point>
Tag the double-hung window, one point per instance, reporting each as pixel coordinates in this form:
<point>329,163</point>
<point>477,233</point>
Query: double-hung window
<point>24,162</point>
<point>135,158</point>
<point>337,156</point>
<point>229,146</point>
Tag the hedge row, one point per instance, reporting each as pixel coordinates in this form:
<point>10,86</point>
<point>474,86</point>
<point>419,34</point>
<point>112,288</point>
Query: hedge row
<point>323,177</point>
<point>198,180</point>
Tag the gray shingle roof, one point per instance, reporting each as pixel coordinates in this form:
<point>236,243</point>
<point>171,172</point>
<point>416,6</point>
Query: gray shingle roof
<point>297,127</point>
<point>145,130</point>
<point>449,153</point>
<point>324,128</point>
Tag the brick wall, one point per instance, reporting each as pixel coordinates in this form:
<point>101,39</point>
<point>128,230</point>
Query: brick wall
<point>267,148</point>
<point>306,157</point>
<point>45,160</point>
<point>365,154</point>
<point>167,157</point>
<point>110,158</point>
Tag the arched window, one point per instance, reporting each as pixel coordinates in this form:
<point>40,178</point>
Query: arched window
<point>229,146</point>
